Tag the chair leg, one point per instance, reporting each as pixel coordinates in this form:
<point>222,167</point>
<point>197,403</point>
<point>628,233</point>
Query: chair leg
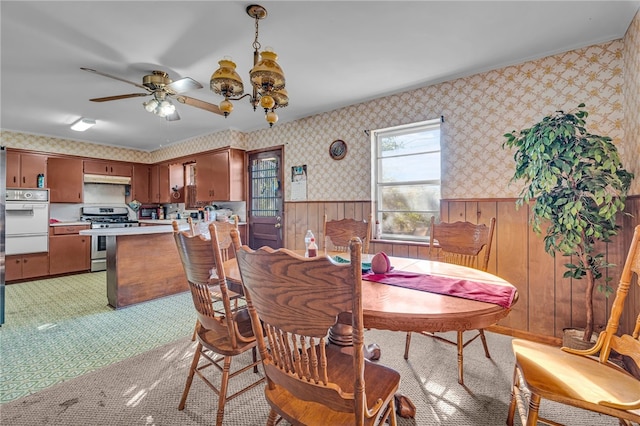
<point>512,403</point>
<point>273,416</point>
<point>389,414</point>
<point>224,384</point>
<point>192,370</point>
<point>254,352</point>
<point>195,331</point>
<point>406,345</point>
<point>484,343</point>
<point>460,360</point>
<point>534,405</point>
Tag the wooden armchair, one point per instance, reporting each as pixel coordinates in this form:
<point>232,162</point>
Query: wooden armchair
<point>586,379</point>
<point>220,330</point>
<point>294,301</point>
<point>466,244</point>
<point>338,233</point>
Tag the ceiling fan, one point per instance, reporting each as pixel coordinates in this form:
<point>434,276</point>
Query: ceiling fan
<point>160,86</point>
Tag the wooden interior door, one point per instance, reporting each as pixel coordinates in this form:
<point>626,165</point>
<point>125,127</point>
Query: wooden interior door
<point>265,207</point>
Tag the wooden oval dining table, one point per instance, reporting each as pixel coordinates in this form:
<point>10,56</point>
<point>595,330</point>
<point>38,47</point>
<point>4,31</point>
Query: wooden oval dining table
<point>391,307</point>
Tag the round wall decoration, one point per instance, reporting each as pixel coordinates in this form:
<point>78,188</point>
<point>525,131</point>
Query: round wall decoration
<point>338,149</point>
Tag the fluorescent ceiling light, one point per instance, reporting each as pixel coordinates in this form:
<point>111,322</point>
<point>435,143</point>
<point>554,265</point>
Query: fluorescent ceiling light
<point>83,124</point>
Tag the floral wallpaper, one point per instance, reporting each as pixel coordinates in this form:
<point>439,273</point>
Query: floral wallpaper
<point>631,72</point>
<point>477,111</point>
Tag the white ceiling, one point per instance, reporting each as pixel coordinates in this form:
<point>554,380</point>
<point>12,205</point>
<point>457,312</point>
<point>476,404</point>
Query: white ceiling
<point>333,54</point>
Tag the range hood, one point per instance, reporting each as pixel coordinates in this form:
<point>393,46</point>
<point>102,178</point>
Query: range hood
<point>114,180</point>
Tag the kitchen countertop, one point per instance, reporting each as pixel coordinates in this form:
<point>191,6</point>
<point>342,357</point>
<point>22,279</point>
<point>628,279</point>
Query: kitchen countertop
<point>169,221</point>
<point>161,221</point>
<point>72,223</point>
<point>138,230</point>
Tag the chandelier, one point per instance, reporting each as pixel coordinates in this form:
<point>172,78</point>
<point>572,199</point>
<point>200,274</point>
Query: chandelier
<point>266,76</point>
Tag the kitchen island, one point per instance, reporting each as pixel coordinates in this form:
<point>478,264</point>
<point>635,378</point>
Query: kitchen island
<point>142,264</point>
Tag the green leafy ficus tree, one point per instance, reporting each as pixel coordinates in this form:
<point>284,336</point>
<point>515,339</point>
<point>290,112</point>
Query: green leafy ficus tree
<point>576,186</point>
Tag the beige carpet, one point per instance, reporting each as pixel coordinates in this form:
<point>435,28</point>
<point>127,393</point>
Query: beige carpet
<point>145,390</point>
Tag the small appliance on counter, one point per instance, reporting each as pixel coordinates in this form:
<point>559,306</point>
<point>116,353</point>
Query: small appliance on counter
<point>148,211</point>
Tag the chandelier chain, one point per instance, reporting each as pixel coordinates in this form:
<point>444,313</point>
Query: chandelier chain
<point>256,44</point>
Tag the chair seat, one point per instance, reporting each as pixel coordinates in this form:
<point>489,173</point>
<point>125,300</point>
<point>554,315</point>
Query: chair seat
<point>381,382</point>
<point>219,340</point>
<point>576,380</point>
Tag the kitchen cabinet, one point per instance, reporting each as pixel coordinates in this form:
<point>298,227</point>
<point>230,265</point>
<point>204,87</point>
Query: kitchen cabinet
<point>220,176</point>
<point>141,183</point>
<point>23,266</point>
<point>110,168</point>
<point>65,180</point>
<point>23,169</point>
<point>160,184</point>
<point>69,251</point>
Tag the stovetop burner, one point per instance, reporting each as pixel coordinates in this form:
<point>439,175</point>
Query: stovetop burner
<point>108,217</point>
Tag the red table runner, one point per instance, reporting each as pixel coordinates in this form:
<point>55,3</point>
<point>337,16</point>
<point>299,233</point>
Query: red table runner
<point>501,295</point>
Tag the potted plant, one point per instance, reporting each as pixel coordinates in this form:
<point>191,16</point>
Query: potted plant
<point>576,185</point>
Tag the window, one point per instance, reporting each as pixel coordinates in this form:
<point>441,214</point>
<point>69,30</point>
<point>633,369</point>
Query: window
<point>406,179</point>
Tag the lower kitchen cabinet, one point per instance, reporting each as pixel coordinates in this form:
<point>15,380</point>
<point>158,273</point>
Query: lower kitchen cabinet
<point>69,251</point>
<point>22,266</point>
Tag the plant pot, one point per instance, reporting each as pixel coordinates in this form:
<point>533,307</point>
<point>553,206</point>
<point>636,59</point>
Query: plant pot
<point>572,338</point>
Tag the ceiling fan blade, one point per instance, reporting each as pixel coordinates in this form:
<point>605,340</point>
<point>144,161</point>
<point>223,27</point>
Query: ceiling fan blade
<point>183,85</point>
<point>115,98</point>
<point>199,104</point>
<point>114,77</point>
<point>173,117</point>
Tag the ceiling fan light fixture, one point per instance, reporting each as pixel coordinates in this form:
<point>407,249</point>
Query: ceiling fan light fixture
<point>150,105</point>
<point>165,108</point>
<point>266,76</point>
<point>83,124</point>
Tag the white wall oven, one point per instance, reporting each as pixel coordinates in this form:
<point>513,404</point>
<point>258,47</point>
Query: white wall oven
<point>27,221</point>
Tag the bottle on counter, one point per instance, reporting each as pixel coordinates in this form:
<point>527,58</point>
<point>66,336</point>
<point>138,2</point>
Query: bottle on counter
<point>40,180</point>
<point>313,248</point>
<point>307,241</point>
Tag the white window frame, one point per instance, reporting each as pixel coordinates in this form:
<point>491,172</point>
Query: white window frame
<point>376,185</point>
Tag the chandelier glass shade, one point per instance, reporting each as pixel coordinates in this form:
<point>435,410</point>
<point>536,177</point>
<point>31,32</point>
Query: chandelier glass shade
<point>266,77</point>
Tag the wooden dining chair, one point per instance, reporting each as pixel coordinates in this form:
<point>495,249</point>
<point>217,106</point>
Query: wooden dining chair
<point>338,233</point>
<point>222,331</point>
<point>224,244</point>
<point>588,379</point>
<point>466,244</point>
<point>293,301</point>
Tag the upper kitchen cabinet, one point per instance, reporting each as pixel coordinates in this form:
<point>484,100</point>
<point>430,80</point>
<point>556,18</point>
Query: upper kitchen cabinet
<point>23,169</point>
<point>160,184</point>
<point>65,180</point>
<point>220,176</point>
<point>141,183</point>
<point>111,168</point>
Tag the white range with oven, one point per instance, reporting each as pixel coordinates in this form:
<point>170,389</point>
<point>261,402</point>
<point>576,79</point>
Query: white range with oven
<point>104,217</point>
<point>27,221</point>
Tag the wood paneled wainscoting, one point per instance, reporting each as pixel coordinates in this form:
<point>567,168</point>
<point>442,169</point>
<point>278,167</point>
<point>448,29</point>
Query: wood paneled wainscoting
<point>548,302</point>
